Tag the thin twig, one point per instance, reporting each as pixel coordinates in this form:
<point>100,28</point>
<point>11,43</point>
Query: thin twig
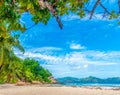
<point>104,15</point>
<point>104,8</point>
<point>31,26</point>
<point>86,10</point>
<point>55,2</point>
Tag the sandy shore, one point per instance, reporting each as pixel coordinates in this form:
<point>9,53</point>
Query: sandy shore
<point>39,90</point>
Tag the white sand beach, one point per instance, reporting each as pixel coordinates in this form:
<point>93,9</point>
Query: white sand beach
<point>43,90</point>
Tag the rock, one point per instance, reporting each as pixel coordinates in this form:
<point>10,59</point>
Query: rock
<point>53,80</point>
<point>36,82</point>
<point>20,83</point>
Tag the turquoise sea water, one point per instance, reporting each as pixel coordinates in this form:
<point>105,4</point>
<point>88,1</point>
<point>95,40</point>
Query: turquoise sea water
<point>94,85</point>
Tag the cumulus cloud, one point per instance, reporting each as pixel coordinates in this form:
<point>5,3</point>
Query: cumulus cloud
<point>77,58</point>
<point>43,49</point>
<point>74,61</point>
<point>76,46</point>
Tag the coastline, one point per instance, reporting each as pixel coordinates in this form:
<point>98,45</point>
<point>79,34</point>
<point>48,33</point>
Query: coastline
<point>51,89</point>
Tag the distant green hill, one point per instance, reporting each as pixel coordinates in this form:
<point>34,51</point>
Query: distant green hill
<point>89,79</point>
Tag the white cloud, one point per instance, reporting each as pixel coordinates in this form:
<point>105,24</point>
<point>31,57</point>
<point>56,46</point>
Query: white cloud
<point>113,56</point>
<point>85,66</point>
<point>96,16</point>
<point>78,58</point>
<point>76,46</point>
<point>47,48</point>
<point>74,62</point>
<point>70,17</point>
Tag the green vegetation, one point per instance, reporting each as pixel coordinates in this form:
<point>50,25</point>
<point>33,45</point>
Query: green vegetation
<point>33,71</point>
<point>27,70</point>
<point>11,69</point>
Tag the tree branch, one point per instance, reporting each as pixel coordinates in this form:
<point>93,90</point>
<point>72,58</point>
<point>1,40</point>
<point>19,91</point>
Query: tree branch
<point>104,15</point>
<point>45,4</point>
<point>86,10</point>
<point>13,2</point>
<point>55,2</point>
<point>95,6</point>
<point>119,5</point>
<point>104,8</point>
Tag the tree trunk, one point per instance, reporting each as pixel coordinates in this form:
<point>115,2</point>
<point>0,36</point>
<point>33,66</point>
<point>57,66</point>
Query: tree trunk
<point>2,57</point>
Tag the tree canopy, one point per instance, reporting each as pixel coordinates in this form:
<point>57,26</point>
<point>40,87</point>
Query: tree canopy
<point>43,10</point>
<point>26,70</point>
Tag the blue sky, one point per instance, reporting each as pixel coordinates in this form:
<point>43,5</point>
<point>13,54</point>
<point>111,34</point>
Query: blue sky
<point>82,48</point>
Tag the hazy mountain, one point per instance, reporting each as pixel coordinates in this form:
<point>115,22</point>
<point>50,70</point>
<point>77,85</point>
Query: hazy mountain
<point>89,79</point>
